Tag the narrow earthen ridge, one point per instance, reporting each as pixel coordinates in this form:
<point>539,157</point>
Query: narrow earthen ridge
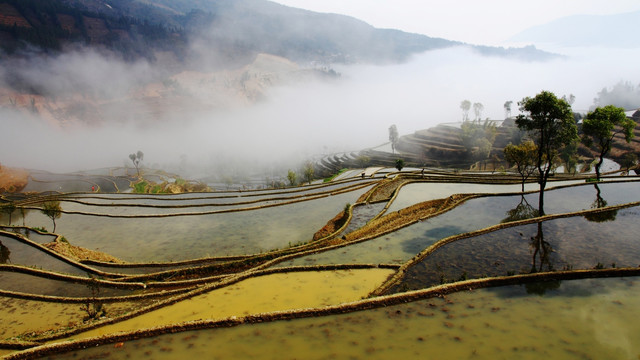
<point>196,213</point>
<point>366,304</point>
<point>84,300</point>
<point>50,252</point>
<point>71,278</point>
<point>423,254</point>
<point>181,295</point>
<point>74,199</point>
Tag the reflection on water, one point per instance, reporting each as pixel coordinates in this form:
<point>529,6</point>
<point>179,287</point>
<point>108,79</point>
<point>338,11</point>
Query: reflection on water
<point>521,212</point>
<point>560,244</point>
<point>5,254</point>
<point>412,194</point>
<point>580,319</point>
<point>31,284</point>
<point>541,250</point>
<point>474,214</point>
<point>192,237</point>
<point>598,203</point>
<point>26,255</point>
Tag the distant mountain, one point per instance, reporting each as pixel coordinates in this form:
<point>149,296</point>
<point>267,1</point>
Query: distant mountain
<point>236,29</point>
<point>619,31</point>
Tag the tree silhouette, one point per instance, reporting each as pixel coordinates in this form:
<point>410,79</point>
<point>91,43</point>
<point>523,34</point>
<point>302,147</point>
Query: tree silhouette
<point>598,203</point>
<point>393,137</point>
<point>136,158</point>
<point>4,254</point>
<point>465,105</point>
<point>8,209</point>
<point>541,250</point>
<point>521,212</point>
<point>550,124</point>
<point>53,210</point>
<point>523,156</point>
<point>602,125</point>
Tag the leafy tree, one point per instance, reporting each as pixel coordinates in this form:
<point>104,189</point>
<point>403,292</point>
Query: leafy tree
<point>8,209</point>
<point>53,210</point>
<point>393,137</point>
<point>549,122</point>
<point>483,150</point>
<point>465,105</point>
<point>292,177</point>
<point>477,110</point>
<point>399,164</point>
<point>569,156</point>
<point>308,172</point>
<point>523,156</point>
<point>477,138</point>
<point>136,158</point>
<point>570,99</point>
<point>602,125</point>
<point>507,109</point>
<point>628,161</point>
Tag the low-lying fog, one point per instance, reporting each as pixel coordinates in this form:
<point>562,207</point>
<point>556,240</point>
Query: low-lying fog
<point>297,122</point>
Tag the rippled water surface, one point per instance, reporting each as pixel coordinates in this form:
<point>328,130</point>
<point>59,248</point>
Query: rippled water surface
<point>580,319</point>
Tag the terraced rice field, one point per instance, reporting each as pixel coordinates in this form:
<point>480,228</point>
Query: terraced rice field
<point>405,266</point>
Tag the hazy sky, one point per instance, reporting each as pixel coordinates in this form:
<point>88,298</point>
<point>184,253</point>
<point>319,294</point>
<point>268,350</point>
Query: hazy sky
<point>486,22</point>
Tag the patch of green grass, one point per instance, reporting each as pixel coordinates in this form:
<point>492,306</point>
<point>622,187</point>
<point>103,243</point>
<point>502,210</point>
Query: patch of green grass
<point>140,187</point>
<point>330,178</point>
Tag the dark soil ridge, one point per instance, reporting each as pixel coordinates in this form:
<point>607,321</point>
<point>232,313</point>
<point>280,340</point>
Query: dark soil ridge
<point>366,304</point>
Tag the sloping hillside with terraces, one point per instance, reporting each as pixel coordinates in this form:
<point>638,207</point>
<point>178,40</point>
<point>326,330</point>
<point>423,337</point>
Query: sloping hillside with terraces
<point>442,146</point>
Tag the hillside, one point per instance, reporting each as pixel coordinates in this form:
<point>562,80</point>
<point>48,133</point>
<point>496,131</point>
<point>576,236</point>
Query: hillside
<point>236,30</point>
<point>185,93</point>
<point>441,146</point>
<point>609,31</point>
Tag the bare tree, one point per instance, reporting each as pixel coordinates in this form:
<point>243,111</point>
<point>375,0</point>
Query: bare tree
<point>477,110</point>
<point>507,109</point>
<point>465,105</point>
<point>393,137</point>
<point>136,158</point>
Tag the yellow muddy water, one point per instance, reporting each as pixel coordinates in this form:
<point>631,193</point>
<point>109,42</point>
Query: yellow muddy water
<point>24,317</point>
<point>584,319</point>
<point>259,295</point>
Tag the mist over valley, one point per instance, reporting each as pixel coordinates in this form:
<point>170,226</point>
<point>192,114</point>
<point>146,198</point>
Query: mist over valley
<point>257,85</point>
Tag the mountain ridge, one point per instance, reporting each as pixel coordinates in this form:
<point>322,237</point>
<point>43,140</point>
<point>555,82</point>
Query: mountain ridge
<point>239,29</point>
<point>617,30</point>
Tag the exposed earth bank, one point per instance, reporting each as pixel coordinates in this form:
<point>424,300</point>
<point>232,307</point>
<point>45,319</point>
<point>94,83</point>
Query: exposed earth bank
<point>13,179</point>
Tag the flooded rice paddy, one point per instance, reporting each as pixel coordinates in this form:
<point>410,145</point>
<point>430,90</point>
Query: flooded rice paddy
<point>571,319</point>
<point>580,319</point>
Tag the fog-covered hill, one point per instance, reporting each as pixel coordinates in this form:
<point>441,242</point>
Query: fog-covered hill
<point>237,29</point>
<point>619,30</point>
